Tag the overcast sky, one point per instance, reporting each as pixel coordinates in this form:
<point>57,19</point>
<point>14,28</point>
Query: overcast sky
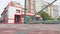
<point>3,3</point>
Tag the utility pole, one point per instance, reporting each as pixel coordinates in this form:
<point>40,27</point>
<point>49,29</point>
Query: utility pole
<point>25,12</point>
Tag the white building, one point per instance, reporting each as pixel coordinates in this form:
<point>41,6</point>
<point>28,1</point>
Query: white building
<point>40,4</point>
<point>56,11</point>
<point>52,10</point>
<point>37,5</point>
<point>14,13</point>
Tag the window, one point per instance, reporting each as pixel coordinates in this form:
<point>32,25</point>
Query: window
<point>17,11</point>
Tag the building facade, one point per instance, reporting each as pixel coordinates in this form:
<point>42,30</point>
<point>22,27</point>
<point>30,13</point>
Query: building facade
<point>38,5</point>
<point>56,11</point>
<point>14,13</point>
<point>30,6</point>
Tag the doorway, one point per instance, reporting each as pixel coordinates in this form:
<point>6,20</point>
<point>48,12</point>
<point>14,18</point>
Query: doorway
<point>17,19</point>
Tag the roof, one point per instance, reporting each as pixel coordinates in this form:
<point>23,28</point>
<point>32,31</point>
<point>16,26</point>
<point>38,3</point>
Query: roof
<point>15,4</point>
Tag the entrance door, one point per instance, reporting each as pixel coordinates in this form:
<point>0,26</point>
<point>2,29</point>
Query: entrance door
<point>17,19</point>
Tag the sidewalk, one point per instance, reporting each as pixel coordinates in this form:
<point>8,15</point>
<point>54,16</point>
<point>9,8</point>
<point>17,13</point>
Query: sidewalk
<point>29,29</point>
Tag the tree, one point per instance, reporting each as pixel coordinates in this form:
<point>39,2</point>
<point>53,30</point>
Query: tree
<point>58,18</point>
<point>45,16</point>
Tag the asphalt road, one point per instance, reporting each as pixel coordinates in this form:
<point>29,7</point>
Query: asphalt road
<point>29,28</point>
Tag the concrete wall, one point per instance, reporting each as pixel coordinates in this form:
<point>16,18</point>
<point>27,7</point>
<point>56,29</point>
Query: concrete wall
<point>11,13</point>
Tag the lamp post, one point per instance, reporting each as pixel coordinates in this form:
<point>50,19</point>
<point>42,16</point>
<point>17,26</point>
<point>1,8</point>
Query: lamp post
<point>25,12</point>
